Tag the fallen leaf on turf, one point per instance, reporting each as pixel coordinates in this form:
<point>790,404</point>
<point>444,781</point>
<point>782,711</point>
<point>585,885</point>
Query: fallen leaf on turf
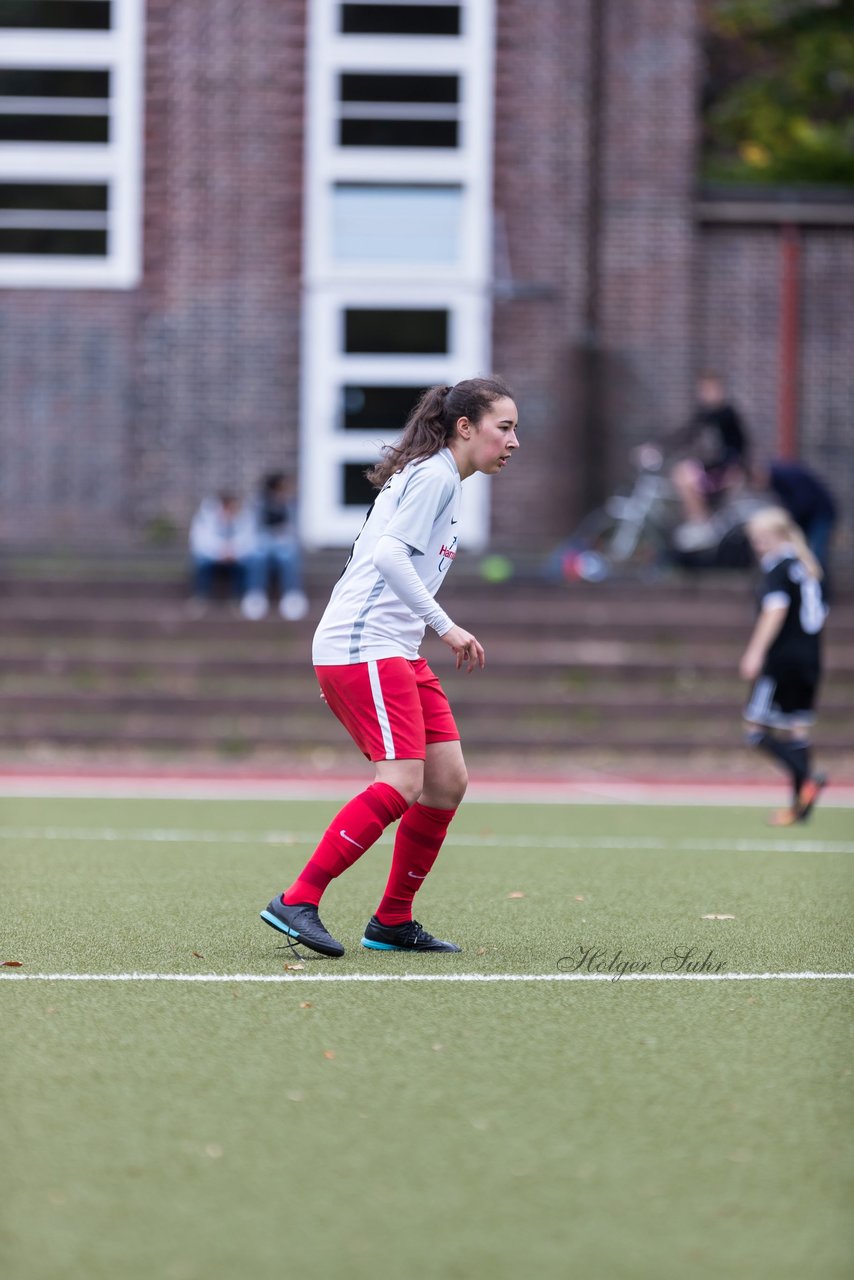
<point>328,1053</point>
<point>481,951</point>
<point>198,955</point>
<point>717,917</point>
<point>579,897</point>
<point>306,1004</point>
<point>515,895</point>
<point>294,966</point>
<point>12,964</point>
<point>437,1048</point>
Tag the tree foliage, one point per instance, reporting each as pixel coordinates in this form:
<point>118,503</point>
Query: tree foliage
<point>778,101</point>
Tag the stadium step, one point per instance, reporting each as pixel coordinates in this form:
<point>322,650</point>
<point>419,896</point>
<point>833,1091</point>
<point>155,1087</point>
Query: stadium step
<point>112,661</point>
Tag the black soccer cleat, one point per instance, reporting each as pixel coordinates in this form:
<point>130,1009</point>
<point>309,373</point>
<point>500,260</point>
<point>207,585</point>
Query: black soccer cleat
<point>402,937</point>
<point>302,924</point>
<point>809,794</point>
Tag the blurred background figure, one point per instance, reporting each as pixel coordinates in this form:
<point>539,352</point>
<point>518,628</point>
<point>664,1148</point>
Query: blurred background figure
<point>222,543</point>
<point>806,498</point>
<point>717,448</point>
<point>277,552</point>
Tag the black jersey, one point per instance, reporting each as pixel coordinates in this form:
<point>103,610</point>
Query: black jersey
<point>786,583</point>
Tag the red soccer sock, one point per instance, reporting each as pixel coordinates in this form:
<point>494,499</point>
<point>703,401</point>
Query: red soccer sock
<point>359,824</point>
<point>416,847</point>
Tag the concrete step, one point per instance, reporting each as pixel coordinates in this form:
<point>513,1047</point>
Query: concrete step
<point>246,736</point>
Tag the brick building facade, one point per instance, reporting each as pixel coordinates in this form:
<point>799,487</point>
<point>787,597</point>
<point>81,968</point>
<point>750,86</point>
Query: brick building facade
<point>610,286</point>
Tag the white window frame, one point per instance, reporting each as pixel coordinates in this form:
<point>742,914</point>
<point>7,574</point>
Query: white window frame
<point>117,163</point>
<point>330,287</point>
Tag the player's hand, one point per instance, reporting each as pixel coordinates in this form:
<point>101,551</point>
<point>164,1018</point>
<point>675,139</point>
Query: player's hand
<point>750,665</point>
<point>466,647</point>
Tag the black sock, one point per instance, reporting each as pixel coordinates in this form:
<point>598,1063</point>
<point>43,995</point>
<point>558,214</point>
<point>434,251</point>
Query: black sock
<point>799,750</point>
<point>793,756</point>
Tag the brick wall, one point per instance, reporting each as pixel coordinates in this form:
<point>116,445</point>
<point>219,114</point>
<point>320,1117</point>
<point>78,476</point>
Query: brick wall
<point>643,306</point>
<point>216,395</point>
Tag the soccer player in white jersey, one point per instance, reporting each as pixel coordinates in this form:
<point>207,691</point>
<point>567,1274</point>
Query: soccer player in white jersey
<point>783,656</point>
<point>366,656</point>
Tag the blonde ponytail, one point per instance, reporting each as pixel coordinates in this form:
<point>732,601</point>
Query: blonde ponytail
<point>778,522</point>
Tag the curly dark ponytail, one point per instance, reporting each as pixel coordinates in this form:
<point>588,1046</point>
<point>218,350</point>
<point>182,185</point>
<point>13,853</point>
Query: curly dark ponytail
<point>431,423</point>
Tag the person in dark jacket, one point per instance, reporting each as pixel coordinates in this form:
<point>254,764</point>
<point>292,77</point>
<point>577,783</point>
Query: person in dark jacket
<point>806,498</point>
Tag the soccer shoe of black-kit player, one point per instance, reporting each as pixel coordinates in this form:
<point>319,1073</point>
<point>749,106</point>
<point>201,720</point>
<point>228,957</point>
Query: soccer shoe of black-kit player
<point>784,817</point>
<point>302,924</point>
<point>402,937</point>
<point>809,794</point>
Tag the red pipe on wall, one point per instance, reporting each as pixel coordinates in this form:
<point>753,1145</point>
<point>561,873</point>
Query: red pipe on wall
<point>790,306</point>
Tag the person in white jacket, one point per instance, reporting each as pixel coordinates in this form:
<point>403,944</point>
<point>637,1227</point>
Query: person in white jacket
<point>367,660</point>
<point>222,536</point>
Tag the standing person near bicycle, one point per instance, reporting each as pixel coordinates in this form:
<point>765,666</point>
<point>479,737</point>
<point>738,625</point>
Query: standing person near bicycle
<point>367,660</point>
<point>783,656</point>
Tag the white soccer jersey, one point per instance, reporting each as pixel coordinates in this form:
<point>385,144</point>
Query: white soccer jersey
<point>364,619</point>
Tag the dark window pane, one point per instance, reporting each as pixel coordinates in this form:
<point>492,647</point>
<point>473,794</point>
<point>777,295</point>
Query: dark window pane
<point>400,19</point>
<point>40,241</point>
<point>54,128</point>
<point>54,83</point>
<point>61,15</point>
<point>394,332</point>
<point>357,490</point>
<point>394,88</point>
<point>398,133</point>
<point>381,409</point>
<point>79,197</point>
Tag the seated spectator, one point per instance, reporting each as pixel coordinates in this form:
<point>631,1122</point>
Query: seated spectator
<point>807,500</point>
<point>222,541</point>
<point>277,551</point>
<point>716,448</point>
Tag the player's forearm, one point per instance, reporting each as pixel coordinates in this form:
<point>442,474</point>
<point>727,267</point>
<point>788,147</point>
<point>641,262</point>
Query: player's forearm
<point>392,558</point>
<point>767,628</point>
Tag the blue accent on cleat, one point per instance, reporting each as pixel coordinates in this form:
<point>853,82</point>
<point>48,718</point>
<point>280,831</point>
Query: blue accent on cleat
<point>380,946</point>
<point>277,924</point>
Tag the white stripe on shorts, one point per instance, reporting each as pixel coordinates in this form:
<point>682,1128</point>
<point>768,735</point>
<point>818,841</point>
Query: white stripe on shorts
<point>760,702</point>
<point>379,707</point>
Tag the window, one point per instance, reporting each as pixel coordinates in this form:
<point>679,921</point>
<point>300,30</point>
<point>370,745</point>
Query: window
<point>54,105</point>
<point>400,19</point>
<point>357,489</point>
<point>398,237</point>
<point>66,15</point>
<point>70,143</point>
<point>384,223</point>
<point>392,110</point>
<point>383,410</point>
<point>390,331</point>
<point>53,218</point>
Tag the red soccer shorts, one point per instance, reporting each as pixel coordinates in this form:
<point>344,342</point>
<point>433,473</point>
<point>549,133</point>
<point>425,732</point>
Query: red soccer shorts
<point>390,707</point>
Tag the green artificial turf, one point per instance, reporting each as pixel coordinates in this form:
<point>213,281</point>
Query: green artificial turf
<point>605,1129</point>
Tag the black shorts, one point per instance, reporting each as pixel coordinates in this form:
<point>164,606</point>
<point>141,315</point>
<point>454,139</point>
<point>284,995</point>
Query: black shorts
<point>783,698</point>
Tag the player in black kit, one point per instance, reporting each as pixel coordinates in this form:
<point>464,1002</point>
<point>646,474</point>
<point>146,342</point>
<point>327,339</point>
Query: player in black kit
<point>783,655</point>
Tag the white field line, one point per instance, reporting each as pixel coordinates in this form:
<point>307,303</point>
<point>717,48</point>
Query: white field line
<point>178,835</point>
<point>806,976</point>
<point>547,791</point>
